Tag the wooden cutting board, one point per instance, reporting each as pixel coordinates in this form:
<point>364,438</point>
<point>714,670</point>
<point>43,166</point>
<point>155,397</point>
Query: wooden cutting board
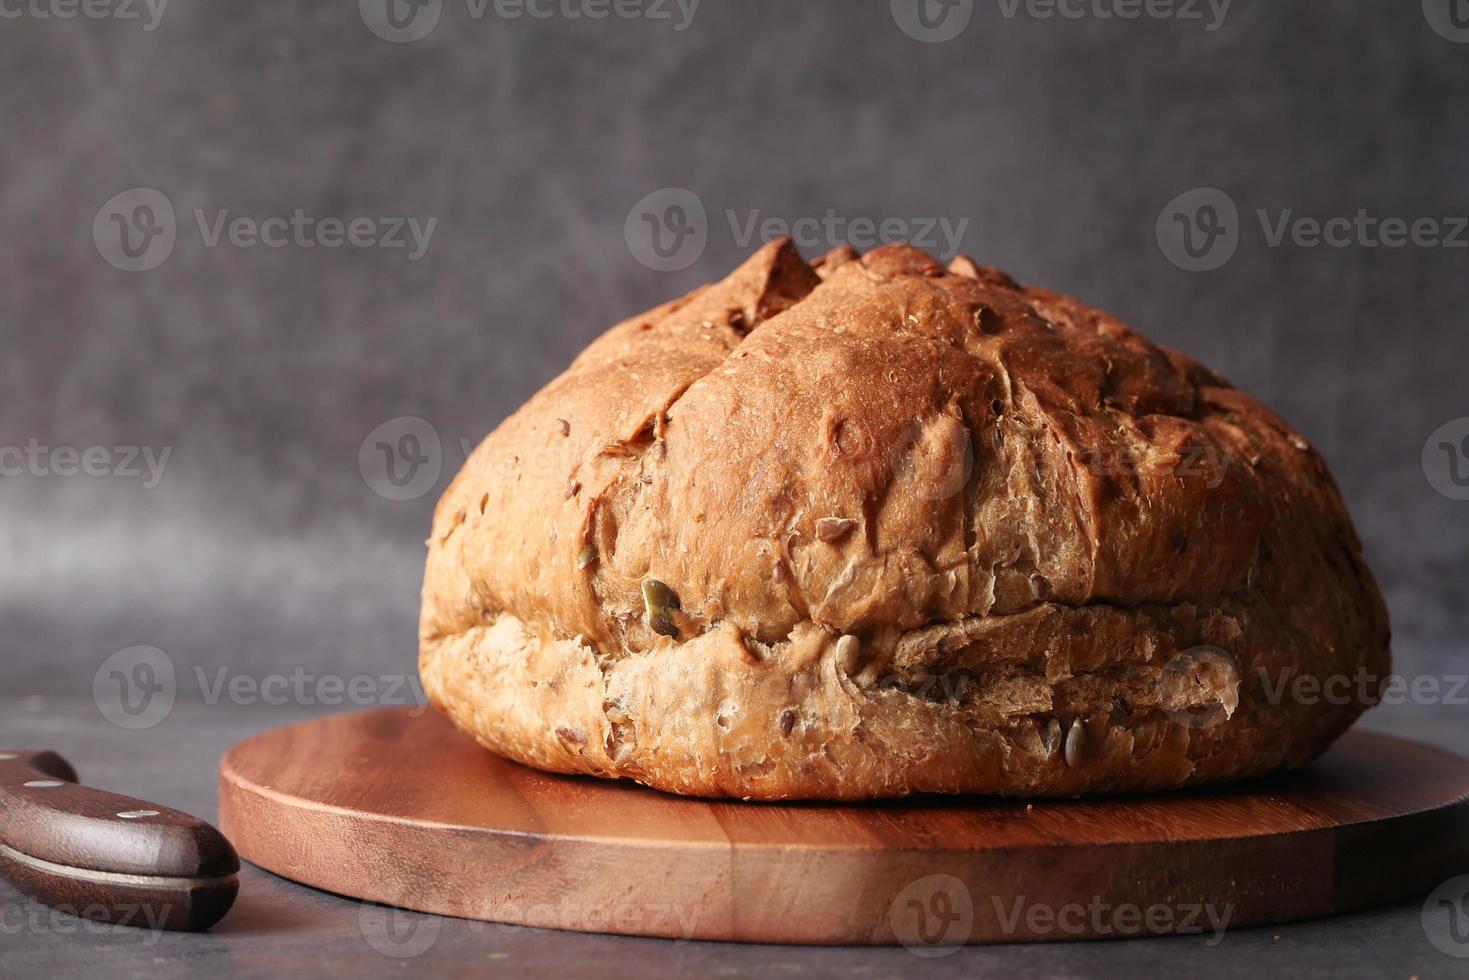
<point>396,807</point>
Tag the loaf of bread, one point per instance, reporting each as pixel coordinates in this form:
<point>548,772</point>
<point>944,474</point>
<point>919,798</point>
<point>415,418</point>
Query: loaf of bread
<point>875,526</point>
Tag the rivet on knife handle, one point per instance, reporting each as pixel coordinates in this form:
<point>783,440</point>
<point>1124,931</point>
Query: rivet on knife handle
<point>108,857</point>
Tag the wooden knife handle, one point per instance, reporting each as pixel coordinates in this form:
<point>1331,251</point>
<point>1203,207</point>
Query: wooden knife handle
<point>107,857</point>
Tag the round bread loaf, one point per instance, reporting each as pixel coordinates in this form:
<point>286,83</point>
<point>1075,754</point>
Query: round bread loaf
<point>874,526</point>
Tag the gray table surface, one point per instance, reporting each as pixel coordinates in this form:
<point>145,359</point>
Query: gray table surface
<point>278,927</point>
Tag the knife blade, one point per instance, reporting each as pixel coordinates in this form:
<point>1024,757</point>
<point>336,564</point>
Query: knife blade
<point>106,857</point>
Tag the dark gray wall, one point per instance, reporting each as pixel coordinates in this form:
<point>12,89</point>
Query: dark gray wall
<point>1059,140</point>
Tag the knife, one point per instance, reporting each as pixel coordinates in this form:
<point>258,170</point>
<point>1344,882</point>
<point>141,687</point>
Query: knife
<point>109,858</point>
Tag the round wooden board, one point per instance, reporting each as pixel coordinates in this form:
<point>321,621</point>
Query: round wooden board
<point>394,806</point>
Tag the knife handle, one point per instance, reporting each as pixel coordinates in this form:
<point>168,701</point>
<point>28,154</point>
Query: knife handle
<point>109,858</point>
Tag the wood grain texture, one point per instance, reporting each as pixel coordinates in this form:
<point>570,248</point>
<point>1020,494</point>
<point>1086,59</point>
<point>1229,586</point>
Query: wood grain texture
<point>396,807</point>
<point>107,857</point>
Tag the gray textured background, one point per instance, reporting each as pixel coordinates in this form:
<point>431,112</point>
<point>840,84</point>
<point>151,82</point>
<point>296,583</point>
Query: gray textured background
<point>1060,141</point>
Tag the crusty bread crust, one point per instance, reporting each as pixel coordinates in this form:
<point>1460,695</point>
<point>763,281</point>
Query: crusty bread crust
<point>907,529</point>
